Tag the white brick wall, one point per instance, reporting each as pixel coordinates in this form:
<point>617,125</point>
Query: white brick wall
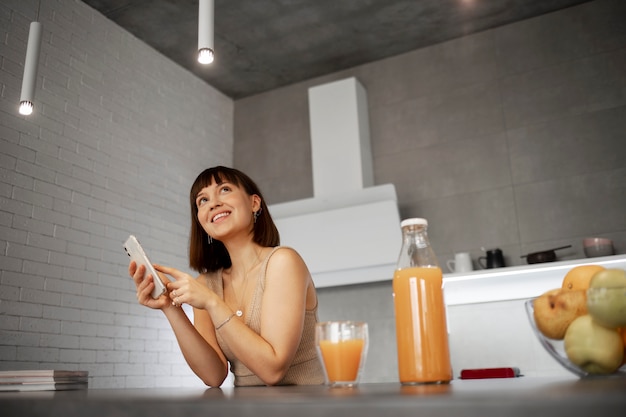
<point>117,137</point>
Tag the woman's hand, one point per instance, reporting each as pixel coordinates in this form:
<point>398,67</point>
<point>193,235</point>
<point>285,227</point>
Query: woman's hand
<point>145,285</point>
<point>186,289</point>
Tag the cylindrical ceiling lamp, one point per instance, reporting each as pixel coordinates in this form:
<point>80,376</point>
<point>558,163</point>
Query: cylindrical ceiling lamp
<point>205,31</point>
<point>29,80</point>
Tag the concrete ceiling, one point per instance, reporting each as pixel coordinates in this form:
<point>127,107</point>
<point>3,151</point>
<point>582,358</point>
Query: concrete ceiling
<point>261,45</point>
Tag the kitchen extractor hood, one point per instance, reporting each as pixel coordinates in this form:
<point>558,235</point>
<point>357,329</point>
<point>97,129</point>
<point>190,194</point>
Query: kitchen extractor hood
<point>349,232</point>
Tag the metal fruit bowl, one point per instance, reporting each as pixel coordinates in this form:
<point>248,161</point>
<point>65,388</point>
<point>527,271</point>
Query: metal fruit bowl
<point>556,349</point>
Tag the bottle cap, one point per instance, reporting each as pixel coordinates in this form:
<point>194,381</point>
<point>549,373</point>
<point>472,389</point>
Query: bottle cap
<point>416,221</point>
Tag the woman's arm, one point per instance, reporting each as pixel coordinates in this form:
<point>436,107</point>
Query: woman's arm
<point>197,343</point>
<point>270,353</point>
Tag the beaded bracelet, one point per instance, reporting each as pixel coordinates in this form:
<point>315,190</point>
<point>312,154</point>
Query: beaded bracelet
<point>224,322</point>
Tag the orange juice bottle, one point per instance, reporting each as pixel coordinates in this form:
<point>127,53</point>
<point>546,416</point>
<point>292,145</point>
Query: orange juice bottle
<point>421,330</point>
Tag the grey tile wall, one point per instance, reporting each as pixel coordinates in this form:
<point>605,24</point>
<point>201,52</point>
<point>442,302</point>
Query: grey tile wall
<point>271,143</point>
<point>512,138</point>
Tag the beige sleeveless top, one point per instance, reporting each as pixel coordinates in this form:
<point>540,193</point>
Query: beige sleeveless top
<point>305,368</point>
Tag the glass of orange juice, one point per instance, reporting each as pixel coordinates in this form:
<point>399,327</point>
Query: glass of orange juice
<point>342,349</point>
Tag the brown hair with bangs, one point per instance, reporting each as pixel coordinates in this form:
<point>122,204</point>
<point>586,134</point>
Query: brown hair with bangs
<point>209,257</point>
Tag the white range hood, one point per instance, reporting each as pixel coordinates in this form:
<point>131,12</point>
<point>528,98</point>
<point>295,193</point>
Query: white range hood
<point>349,232</point>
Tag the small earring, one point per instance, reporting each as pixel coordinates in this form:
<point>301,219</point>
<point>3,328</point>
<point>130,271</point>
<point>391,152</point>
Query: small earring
<point>210,239</point>
<point>256,214</point>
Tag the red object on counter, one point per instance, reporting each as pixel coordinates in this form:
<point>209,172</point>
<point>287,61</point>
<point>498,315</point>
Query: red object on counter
<point>490,373</point>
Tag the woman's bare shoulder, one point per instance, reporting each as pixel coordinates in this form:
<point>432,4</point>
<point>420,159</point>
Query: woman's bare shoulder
<point>285,254</point>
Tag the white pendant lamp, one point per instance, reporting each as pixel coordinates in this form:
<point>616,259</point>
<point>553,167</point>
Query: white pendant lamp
<point>29,80</point>
<point>205,31</point>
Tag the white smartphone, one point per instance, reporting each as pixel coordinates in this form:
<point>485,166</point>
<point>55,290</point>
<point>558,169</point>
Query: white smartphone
<point>137,254</point>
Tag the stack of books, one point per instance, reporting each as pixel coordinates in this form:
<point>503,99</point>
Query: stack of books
<point>43,380</point>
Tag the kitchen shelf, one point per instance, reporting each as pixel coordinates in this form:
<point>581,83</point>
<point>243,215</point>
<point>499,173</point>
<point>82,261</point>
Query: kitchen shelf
<point>516,282</point>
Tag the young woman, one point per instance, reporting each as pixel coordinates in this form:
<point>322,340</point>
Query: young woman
<point>254,302</point>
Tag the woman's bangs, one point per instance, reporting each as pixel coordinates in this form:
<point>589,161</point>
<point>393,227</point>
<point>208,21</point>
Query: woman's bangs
<point>216,175</point>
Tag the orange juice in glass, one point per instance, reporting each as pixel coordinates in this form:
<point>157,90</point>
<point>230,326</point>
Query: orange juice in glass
<point>342,348</point>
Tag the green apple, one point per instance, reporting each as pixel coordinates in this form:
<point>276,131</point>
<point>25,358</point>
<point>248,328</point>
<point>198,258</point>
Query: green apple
<point>608,278</point>
<point>594,348</point>
<point>606,297</point>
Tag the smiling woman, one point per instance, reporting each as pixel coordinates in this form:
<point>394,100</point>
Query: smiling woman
<point>204,256</point>
<point>255,305</point>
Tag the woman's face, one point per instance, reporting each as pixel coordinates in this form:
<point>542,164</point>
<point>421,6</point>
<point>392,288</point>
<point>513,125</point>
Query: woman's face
<point>224,209</point>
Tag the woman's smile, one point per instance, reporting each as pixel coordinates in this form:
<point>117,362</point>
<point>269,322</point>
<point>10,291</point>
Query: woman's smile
<point>220,216</point>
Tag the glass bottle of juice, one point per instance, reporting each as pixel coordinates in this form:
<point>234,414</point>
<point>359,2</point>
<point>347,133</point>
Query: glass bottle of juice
<point>421,330</point>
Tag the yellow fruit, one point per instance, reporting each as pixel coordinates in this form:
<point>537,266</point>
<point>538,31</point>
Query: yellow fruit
<point>593,347</point>
<point>554,310</point>
<point>578,278</point>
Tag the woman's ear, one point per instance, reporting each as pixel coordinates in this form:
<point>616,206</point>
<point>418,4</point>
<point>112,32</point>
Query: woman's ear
<point>256,203</point>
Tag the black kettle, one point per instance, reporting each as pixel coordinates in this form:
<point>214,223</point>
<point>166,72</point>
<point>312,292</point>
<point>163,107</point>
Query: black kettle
<point>494,259</point>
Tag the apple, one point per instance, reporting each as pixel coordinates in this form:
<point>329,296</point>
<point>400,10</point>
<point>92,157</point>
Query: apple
<point>606,298</point>
<point>594,348</point>
<point>608,278</point>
